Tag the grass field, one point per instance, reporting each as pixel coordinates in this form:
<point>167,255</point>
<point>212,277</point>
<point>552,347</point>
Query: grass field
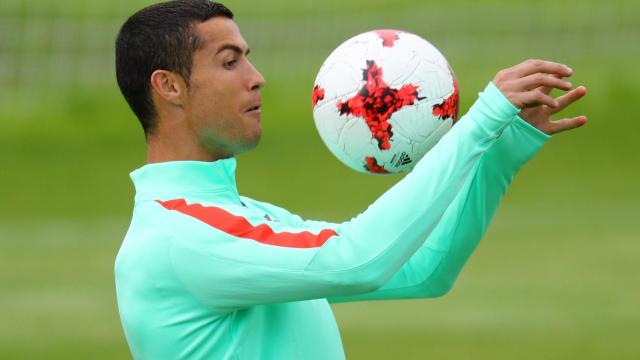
<point>555,278</point>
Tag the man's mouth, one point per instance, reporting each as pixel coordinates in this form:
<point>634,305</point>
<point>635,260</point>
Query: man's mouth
<point>254,108</point>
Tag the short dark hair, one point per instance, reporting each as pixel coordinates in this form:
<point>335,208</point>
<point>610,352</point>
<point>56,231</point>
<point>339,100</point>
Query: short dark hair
<point>160,36</point>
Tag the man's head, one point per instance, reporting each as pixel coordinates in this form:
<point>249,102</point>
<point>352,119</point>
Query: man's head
<point>182,67</point>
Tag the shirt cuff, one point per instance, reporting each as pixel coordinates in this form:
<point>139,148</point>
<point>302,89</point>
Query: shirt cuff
<point>498,101</point>
<point>493,112</point>
<point>530,129</point>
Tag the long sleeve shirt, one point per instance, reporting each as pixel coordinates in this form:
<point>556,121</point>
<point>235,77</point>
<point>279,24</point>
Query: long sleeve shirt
<point>204,273</point>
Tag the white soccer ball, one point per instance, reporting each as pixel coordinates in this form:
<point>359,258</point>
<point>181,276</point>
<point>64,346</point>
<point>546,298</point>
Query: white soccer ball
<point>382,99</point>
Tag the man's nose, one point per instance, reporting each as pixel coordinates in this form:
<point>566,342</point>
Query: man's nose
<point>257,80</point>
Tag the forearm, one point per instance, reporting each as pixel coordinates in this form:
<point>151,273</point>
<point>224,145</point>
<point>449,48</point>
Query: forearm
<point>434,268</point>
<point>500,165</point>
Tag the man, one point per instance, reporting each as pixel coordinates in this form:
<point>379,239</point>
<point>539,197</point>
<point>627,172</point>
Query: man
<point>205,273</point>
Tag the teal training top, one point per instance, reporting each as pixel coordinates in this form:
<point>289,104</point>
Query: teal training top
<point>204,273</point>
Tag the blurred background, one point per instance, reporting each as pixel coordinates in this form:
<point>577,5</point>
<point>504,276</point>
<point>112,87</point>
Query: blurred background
<point>556,277</point>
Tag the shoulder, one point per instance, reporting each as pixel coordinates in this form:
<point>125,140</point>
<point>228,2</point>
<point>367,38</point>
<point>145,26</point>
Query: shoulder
<point>145,243</point>
<point>162,224</point>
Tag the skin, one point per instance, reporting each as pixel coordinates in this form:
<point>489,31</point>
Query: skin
<point>528,85</point>
<point>217,113</point>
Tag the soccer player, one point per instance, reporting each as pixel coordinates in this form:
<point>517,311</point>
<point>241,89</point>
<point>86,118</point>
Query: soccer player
<point>205,273</point>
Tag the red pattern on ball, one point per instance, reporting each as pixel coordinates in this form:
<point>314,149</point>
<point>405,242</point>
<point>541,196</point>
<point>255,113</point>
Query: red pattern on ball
<point>388,37</point>
<point>376,102</point>
<point>449,107</point>
<point>371,165</point>
<point>318,94</point>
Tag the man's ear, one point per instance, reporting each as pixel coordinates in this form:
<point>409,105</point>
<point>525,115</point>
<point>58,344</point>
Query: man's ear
<point>169,86</point>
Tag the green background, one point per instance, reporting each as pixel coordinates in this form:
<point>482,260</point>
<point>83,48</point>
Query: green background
<point>556,277</point>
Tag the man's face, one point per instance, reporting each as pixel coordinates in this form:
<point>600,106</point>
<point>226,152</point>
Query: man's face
<point>224,95</point>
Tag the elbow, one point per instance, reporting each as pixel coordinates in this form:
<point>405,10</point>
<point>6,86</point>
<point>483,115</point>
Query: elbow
<point>440,291</point>
<point>437,286</point>
<point>375,275</point>
<point>363,280</point>
<point>366,284</point>
<point>373,283</point>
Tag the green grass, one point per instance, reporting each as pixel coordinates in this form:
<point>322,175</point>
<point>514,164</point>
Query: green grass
<point>553,279</point>
<point>530,292</point>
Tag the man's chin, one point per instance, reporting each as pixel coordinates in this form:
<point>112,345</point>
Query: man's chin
<point>249,143</point>
<point>232,146</point>
<point>254,142</point>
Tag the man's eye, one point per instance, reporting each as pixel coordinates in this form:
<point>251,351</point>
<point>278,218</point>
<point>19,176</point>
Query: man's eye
<point>230,64</point>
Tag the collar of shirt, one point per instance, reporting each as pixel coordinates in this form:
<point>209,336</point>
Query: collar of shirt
<point>153,181</point>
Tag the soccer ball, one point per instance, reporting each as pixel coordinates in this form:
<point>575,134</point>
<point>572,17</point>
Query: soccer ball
<point>382,99</point>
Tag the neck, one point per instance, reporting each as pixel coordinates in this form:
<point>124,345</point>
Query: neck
<point>177,147</point>
<point>174,139</point>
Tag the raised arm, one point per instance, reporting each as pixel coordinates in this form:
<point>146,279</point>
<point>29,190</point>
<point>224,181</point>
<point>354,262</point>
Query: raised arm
<point>226,270</point>
<point>433,270</point>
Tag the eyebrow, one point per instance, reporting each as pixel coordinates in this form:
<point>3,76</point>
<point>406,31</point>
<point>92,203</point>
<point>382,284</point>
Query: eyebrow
<point>234,48</point>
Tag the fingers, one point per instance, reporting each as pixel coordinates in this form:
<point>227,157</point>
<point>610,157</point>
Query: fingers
<point>530,67</point>
<point>534,98</point>
<point>529,83</point>
<point>542,85</point>
<point>568,99</point>
<point>541,66</point>
<point>537,80</point>
<point>547,90</point>
<point>555,127</point>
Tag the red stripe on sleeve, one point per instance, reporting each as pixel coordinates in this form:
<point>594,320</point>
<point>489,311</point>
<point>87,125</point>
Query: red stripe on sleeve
<point>239,226</point>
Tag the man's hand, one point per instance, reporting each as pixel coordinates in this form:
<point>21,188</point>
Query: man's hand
<point>527,86</point>
<point>540,116</point>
